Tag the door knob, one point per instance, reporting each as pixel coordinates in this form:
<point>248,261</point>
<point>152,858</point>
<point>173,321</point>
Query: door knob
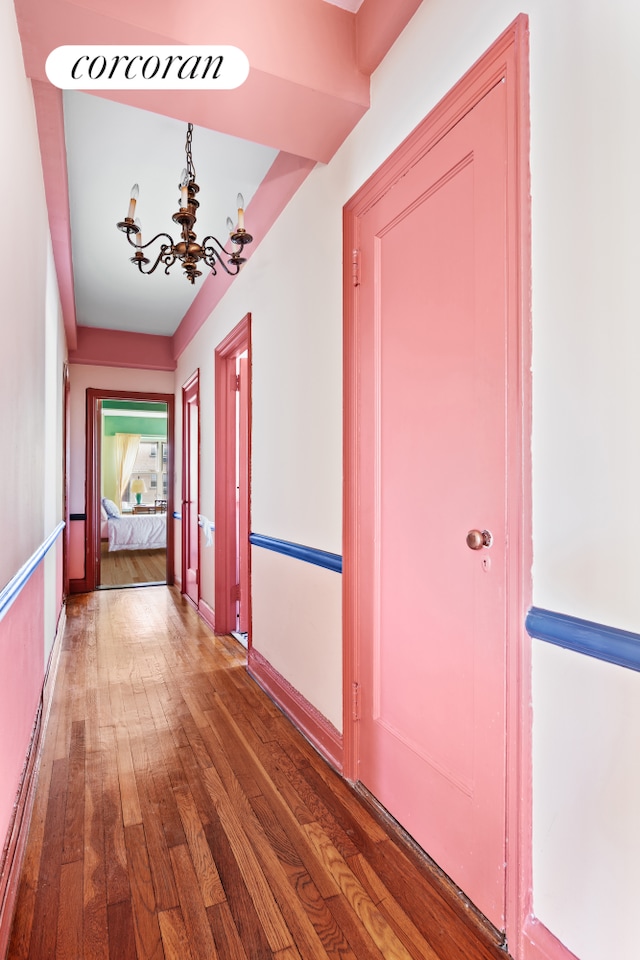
<point>477,539</point>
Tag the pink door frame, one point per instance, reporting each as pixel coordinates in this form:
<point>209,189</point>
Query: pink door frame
<point>190,395</point>
<point>226,546</point>
<point>244,480</point>
<point>507,59</point>
<point>93,474</point>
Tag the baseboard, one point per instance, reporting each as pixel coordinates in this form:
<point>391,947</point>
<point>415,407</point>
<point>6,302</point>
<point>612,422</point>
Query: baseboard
<point>78,586</point>
<point>207,614</point>
<point>51,672</point>
<point>13,853</point>
<point>309,721</point>
<point>540,943</point>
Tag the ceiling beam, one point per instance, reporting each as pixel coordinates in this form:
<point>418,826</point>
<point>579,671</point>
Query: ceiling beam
<point>304,93</point>
<point>379,23</point>
<point>50,121</point>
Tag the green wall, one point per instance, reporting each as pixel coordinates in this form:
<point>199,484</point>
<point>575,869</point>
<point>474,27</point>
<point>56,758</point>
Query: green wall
<point>145,426</point>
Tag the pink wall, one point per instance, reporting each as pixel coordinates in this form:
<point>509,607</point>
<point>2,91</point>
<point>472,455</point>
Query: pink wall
<point>119,348</point>
<point>21,677</point>
<point>76,549</point>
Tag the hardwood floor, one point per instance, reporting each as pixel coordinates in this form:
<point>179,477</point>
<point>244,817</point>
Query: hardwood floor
<point>126,567</point>
<point>179,815</point>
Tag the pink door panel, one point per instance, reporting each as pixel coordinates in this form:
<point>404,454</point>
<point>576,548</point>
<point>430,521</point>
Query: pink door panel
<point>432,315</point>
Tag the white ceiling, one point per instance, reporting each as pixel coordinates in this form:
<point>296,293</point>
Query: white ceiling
<point>110,147</point>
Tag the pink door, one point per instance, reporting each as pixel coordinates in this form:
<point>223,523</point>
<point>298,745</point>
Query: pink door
<point>190,490</point>
<point>432,333</point>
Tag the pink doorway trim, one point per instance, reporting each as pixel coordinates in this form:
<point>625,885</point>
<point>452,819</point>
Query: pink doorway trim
<point>226,546</point>
<point>190,485</point>
<point>93,482</point>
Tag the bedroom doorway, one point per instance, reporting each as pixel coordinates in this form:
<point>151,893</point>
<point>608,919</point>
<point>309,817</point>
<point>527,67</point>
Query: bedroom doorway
<point>129,489</point>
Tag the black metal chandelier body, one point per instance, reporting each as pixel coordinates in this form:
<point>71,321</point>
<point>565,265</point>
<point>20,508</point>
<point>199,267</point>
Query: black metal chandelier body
<point>210,253</point>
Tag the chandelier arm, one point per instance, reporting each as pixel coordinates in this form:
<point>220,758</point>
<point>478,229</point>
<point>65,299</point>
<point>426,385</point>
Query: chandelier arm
<point>222,248</point>
<point>143,246</point>
<point>211,263</point>
<point>165,256</point>
<point>212,254</point>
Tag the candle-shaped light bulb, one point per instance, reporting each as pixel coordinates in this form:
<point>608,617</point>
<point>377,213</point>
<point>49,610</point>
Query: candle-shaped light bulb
<point>240,202</point>
<point>135,190</point>
<point>139,233</point>
<point>184,188</point>
<point>230,226</point>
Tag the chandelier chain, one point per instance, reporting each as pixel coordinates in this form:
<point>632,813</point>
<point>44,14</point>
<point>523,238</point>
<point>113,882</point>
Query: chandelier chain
<point>191,170</point>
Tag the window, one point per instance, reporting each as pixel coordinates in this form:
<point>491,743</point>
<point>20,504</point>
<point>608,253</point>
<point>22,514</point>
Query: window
<point>151,467</point>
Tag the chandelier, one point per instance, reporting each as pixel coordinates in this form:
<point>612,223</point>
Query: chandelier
<point>211,252</point>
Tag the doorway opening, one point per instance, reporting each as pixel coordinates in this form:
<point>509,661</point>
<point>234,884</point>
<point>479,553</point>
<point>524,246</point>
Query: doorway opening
<point>129,489</point>
<point>232,477</point>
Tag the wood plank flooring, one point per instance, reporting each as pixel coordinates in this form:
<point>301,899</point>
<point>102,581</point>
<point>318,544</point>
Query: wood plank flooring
<point>180,816</point>
<point>125,567</point>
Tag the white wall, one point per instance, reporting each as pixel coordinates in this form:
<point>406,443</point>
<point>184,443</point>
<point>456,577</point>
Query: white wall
<point>587,836</point>
<point>586,194</point>
<point>585,135</point>
<point>23,268</point>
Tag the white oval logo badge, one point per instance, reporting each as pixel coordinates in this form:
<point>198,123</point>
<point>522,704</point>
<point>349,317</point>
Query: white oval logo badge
<point>114,67</point>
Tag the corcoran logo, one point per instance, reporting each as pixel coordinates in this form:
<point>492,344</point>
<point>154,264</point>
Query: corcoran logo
<point>147,67</point>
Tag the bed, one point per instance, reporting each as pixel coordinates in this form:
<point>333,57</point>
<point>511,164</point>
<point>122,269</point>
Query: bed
<point>145,531</point>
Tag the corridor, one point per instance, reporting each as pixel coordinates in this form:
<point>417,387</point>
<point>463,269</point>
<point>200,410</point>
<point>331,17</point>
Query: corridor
<point>179,815</point>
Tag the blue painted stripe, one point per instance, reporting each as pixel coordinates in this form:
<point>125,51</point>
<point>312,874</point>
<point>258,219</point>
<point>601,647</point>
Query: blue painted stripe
<point>321,558</point>
<point>583,636</point>
<point>9,593</point>
<point>176,515</point>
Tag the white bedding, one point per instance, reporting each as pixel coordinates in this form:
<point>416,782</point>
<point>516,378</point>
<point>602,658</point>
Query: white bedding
<point>145,531</point>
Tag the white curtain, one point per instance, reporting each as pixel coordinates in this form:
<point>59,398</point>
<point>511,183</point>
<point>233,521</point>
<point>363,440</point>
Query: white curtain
<point>126,452</point>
